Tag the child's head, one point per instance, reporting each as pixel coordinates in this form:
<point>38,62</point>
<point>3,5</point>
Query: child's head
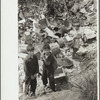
<point>30,49</point>
<point>46,49</point>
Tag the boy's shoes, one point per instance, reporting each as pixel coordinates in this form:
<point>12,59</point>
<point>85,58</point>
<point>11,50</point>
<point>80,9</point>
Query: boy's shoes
<point>32,94</point>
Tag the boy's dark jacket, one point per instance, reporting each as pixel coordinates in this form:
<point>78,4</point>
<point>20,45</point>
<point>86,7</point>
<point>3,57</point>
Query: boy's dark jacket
<point>31,65</point>
<point>50,64</point>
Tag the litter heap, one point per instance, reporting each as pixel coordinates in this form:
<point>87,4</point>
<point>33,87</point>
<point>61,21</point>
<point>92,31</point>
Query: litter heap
<point>59,32</point>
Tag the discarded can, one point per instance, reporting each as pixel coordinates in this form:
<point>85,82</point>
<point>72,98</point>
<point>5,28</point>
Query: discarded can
<point>43,23</point>
<point>61,42</point>
<point>23,49</point>
<point>55,48</point>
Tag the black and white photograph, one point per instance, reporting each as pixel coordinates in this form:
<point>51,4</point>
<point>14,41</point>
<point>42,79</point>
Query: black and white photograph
<point>57,49</point>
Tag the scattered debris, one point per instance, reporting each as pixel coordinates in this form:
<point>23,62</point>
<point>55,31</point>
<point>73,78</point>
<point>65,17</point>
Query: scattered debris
<point>61,42</point>
<point>50,33</point>
<point>82,51</point>
<point>57,24</point>
<point>55,48</point>
<point>88,32</point>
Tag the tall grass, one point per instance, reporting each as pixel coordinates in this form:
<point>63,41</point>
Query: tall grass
<point>88,87</point>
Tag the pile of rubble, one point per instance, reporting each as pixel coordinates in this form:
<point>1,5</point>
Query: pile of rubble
<point>59,34</point>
